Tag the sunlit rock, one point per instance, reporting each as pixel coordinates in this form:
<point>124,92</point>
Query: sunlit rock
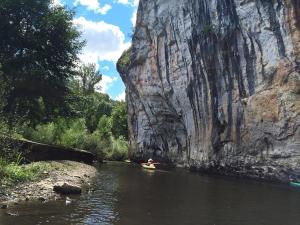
<point>214,85</point>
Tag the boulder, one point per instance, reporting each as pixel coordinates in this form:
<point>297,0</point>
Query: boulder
<point>3,206</point>
<point>67,189</point>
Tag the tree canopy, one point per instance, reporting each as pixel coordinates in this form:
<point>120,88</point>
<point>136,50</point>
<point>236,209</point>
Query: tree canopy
<point>38,53</point>
<point>44,94</point>
<point>89,77</point>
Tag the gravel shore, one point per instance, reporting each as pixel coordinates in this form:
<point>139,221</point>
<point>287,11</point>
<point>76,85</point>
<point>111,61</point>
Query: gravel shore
<point>74,174</point>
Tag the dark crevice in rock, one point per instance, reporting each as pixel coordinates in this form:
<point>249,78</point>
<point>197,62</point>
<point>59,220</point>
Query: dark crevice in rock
<point>275,26</point>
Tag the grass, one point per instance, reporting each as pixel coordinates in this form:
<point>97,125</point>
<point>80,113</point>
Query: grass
<point>12,173</point>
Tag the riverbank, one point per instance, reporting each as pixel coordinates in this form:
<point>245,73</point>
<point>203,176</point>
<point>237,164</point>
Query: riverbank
<point>55,173</point>
<point>126,194</point>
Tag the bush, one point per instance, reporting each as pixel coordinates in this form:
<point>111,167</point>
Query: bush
<point>9,149</point>
<point>118,150</point>
<point>44,133</point>
<point>3,164</point>
<point>124,61</point>
<point>93,144</point>
<point>119,120</point>
<point>104,127</point>
<point>75,135</point>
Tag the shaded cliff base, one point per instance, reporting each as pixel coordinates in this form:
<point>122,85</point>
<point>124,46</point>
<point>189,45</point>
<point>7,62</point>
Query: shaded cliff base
<point>75,174</point>
<point>256,172</point>
<point>237,168</point>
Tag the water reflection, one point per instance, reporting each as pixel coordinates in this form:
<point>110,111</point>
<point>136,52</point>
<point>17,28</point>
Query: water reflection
<point>128,195</point>
<point>94,208</point>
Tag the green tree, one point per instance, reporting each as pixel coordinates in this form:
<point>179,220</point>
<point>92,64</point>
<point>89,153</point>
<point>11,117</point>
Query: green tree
<point>89,104</point>
<point>91,107</point>
<point>98,105</point>
<point>2,90</point>
<point>104,127</point>
<point>89,77</point>
<point>119,120</point>
<point>38,51</point>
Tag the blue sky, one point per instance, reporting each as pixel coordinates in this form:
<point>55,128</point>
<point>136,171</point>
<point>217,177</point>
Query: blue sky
<point>107,27</point>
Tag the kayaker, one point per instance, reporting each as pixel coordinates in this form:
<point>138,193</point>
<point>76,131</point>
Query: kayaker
<point>150,162</point>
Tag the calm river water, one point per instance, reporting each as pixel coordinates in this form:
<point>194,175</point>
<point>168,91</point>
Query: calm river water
<point>128,195</point>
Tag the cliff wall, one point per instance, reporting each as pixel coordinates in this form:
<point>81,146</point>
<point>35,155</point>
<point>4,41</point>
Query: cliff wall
<point>214,85</point>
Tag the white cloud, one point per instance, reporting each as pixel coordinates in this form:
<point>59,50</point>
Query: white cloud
<point>105,83</point>
<point>133,3</point>
<point>94,5</point>
<point>105,68</point>
<point>136,2</point>
<point>104,41</point>
<point>56,3</point>
<point>121,97</point>
<point>103,10</point>
<point>125,2</point>
<point>133,17</point>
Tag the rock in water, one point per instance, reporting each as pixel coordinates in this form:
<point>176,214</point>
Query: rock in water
<point>67,189</point>
<point>68,201</point>
<point>3,206</point>
<point>214,85</point>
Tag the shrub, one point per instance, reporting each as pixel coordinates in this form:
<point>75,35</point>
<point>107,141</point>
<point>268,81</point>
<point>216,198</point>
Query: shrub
<point>118,150</point>
<point>119,120</point>
<point>8,146</point>
<point>75,135</point>
<point>104,127</point>
<point>124,61</point>
<point>93,144</point>
<point>44,133</point>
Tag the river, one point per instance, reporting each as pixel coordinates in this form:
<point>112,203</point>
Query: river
<point>125,194</point>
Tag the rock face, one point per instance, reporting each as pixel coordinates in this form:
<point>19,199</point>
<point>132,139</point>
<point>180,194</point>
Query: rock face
<point>214,85</point>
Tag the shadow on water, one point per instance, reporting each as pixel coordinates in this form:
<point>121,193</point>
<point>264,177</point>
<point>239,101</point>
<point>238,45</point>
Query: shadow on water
<point>125,194</point>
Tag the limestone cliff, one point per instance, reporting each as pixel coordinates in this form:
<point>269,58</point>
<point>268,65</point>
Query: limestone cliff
<point>215,85</point>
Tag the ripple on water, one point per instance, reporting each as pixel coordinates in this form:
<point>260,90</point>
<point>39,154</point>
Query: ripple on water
<point>127,195</point>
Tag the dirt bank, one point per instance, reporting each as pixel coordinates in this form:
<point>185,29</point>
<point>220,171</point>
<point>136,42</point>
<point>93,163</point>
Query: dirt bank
<point>56,173</point>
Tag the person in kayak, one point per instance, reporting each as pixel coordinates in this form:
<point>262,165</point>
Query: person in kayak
<point>150,162</point>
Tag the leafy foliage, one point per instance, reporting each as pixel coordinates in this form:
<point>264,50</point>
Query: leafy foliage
<point>118,150</point>
<point>89,77</point>
<point>38,52</point>
<point>97,105</point>
<point>44,95</point>
<point>13,172</point>
<point>73,133</point>
<point>124,60</point>
<point>100,127</point>
<point>119,126</point>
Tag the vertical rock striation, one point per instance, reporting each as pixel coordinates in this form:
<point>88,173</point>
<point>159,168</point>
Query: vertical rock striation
<point>215,85</point>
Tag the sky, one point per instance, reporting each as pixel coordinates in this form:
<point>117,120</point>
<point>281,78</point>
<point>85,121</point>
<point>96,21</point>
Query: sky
<point>107,26</point>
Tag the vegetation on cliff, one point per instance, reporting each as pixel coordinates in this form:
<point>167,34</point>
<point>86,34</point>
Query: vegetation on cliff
<point>39,51</point>
<point>124,61</point>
